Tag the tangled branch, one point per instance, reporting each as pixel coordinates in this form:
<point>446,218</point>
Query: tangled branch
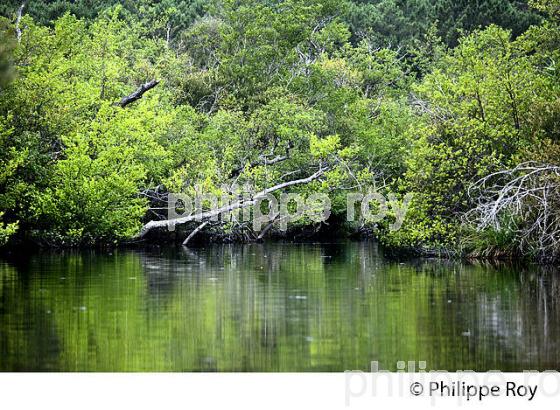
<point>528,195</point>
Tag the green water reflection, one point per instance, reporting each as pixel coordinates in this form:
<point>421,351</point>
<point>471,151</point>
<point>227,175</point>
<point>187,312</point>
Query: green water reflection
<point>272,307</point>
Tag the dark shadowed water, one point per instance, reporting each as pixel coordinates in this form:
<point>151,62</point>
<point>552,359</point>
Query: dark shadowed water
<point>272,307</point>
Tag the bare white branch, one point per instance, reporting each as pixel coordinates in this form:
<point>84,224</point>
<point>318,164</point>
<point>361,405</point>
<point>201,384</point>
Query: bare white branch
<point>527,199</point>
<point>18,21</point>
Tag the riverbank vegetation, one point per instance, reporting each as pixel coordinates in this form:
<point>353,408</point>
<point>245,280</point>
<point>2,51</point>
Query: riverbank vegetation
<point>107,109</point>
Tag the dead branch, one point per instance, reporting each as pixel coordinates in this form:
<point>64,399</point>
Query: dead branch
<point>228,208</point>
<point>18,21</point>
<point>136,95</point>
<point>527,198</point>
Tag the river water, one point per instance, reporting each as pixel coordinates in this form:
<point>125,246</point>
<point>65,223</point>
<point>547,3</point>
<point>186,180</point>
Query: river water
<point>272,307</point>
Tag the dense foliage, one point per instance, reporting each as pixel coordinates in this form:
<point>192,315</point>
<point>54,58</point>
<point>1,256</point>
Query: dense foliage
<point>405,22</point>
<point>423,97</point>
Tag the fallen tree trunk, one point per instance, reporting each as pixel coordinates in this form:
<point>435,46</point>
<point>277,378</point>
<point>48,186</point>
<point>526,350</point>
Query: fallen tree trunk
<point>136,95</point>
<point>225,209</point>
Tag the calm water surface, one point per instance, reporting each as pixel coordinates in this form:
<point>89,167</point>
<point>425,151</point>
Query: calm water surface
<point>272,307</point>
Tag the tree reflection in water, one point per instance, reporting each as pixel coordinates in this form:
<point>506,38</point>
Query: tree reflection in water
<point>273,307</point>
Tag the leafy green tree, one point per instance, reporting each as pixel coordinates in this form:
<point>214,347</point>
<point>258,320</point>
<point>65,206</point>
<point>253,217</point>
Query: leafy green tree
<point>478,115</point>
<point>70,149</point>
<point>93,191</point>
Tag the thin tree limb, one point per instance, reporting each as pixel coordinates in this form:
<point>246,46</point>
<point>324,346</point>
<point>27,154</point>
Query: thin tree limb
<point>193,233</point>
<point>264,160</point>
<point>268,227</point>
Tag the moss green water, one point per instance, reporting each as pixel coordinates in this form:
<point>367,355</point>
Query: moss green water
<point>272,307</point>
